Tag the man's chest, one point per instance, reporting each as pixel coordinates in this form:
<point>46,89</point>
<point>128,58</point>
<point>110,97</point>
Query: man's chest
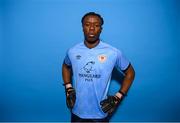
<point>93,60</point>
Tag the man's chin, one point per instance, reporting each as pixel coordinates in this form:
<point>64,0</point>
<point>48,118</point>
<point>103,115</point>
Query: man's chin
<point>91,40</point>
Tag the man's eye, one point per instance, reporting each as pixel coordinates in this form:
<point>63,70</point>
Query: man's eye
<point>87,24</point>
<point>97,25</point>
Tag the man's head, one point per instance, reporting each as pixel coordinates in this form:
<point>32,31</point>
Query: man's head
<point>92,26</point>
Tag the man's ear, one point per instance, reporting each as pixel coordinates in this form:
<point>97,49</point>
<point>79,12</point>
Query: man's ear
<point>101,28</point>
<point>82,28</point>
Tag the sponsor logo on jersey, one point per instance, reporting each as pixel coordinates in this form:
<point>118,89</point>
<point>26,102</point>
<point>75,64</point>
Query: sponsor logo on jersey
<point>102,58</point>
<point>88,73</point>
<point>88,67</point>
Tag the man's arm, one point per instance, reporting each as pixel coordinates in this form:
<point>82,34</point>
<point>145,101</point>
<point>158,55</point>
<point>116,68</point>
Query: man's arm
<point>129,75</point>
<point>110,104</point>
<point>70,92</point>
<point>67,75</point>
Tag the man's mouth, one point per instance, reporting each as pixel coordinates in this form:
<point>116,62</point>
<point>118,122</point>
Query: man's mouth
<point>91,35</point>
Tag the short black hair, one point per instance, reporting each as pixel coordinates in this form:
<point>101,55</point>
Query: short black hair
<point>92,13</point>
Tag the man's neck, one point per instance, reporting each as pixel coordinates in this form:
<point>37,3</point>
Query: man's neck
<point>91,45</point>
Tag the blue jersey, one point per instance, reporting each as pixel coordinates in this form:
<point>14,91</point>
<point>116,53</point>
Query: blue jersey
<point>92,70</point>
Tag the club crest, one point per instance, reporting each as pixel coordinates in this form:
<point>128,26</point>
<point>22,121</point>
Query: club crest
<point>102,58</point>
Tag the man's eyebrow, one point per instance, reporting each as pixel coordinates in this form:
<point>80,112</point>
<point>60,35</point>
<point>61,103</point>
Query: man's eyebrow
<point>92,22</point>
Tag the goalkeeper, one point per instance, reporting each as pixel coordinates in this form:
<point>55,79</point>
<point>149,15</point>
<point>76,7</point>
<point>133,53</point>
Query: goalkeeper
<point>87,70</point>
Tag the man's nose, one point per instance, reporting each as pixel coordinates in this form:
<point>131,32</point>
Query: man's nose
<point>92,27</point>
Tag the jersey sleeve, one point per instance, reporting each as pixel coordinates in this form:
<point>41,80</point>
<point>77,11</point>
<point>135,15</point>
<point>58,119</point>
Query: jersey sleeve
<point>67,61</point>
<point>122,62</point>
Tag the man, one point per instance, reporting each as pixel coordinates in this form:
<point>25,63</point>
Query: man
<point>91,63</point>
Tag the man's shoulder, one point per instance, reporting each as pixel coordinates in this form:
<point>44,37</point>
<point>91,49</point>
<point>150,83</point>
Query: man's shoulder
<point>110,47</point>
<point>76,47</point>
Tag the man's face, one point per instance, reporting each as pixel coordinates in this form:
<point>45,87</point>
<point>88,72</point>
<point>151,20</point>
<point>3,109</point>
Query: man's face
<point>92,28</point>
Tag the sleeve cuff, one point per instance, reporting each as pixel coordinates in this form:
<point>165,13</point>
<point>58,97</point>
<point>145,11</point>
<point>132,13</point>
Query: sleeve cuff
<point>127,67</point>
